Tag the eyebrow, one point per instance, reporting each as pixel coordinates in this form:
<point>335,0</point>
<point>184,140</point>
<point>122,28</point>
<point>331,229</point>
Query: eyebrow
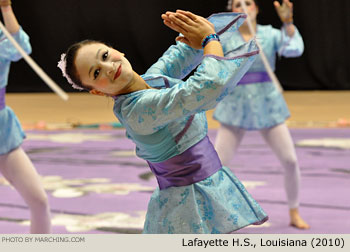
<point>98,52</point>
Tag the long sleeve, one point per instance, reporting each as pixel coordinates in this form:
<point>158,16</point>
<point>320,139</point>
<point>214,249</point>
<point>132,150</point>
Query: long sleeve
<point>288,46</point>
<point>9,52</point>
<point>180,59</point>
<point>177,62</point>
<point>148,110</point>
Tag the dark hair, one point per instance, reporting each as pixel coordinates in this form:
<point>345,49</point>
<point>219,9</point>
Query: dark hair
<point>229,4</point>
<point>71,55</point>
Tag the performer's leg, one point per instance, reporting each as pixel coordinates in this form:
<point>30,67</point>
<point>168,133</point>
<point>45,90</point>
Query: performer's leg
<point>20,172</point>
<point>227,141</point>
<point>281,142</point>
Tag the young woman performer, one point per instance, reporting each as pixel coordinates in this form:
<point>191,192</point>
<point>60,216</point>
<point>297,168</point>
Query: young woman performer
<point>164,117</point>
<point>256,104</point>
<point>14,163</point>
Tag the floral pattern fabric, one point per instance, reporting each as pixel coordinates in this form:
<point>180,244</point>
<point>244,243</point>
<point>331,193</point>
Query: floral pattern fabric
<point>257,106</point>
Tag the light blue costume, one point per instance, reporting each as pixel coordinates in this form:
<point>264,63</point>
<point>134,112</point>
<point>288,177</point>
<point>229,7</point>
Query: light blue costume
<point>257,104</point>
<point>168,125</point>
<point>11,133</point>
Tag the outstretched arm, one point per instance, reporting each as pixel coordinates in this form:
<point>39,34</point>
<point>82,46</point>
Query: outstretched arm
<point>7,50</point>
<point>10,20</point>
<point>289,42</point>
<point>215,78</point>
<point>180,59</point>
<point>285,12</point>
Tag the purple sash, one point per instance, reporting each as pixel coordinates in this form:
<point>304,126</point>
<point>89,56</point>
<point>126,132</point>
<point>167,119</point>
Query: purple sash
<point>254,77</point>
<point>2,98</point>
<point>195,164</point>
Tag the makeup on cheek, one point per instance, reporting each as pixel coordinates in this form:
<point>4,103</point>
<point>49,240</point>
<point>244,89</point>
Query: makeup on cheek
<point>102,82</point>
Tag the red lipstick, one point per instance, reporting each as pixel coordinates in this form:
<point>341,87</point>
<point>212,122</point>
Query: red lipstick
<point>119,71</point>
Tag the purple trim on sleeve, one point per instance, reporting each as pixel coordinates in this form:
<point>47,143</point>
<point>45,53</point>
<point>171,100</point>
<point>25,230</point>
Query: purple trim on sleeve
<point>166,82</point>
<point>254,77</point>
<point>242,15</point>
<point>195,164</point>
<point>2,98</point>
<point>231,23</point>
<point>182,133</point>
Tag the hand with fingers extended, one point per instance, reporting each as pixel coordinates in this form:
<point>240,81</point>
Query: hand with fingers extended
<point>194,28</point>
<point>4,3</point>
<point>284,11</point>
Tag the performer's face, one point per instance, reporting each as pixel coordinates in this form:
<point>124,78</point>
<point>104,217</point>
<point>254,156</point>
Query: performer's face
<point>103,68</point>
<point>252,8</point>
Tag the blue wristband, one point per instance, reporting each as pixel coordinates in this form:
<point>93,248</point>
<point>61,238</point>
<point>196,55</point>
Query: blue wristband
<point>210,38</point>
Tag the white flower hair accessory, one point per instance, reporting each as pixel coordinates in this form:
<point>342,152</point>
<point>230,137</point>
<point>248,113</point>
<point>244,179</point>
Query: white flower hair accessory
<point>62,65</point>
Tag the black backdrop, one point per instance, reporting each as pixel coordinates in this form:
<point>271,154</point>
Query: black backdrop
<point>135,27</point>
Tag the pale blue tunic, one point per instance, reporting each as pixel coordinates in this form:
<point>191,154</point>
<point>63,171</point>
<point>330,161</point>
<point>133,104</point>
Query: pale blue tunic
<point>154,117</point>
<point>11,133</point>
<point>260,105</point>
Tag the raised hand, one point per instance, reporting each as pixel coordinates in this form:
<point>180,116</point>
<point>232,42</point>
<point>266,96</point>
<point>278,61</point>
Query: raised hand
<point>284,11</point>
<point>194,28</point>
<point>4,3</point>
